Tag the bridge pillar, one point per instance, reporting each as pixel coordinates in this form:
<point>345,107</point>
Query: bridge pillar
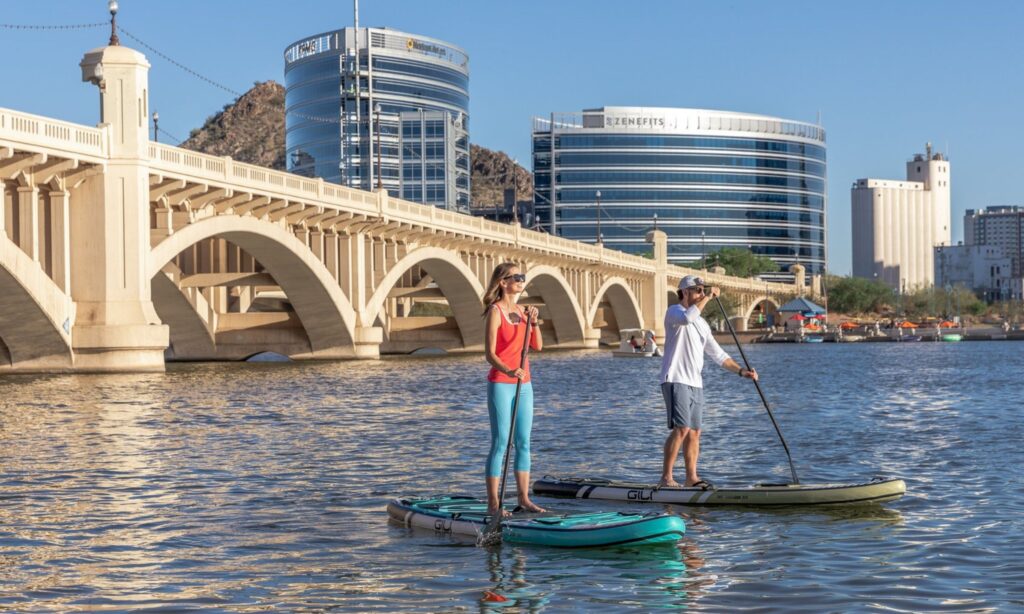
<point>368,340</point>
<point>116,328</point>
<point>28,220</point>
<point>799,278</point>
<point>656,305</point>
<point>60,240</point>
<point>4,209</point>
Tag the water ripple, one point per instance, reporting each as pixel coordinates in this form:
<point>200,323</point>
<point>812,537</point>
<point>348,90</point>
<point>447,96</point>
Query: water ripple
<point>253,487</point>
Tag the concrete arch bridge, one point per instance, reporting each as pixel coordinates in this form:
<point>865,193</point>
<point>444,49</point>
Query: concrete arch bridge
<point>118,253</point>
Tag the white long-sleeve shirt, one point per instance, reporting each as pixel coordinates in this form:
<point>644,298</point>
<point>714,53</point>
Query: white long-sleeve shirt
<point>687,338</point>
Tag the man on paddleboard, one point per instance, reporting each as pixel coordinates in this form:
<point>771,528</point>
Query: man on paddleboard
<point>687,338</point>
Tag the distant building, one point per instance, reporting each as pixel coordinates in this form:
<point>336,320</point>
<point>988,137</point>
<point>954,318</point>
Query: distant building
<point>985,269</point>
<point>708,179</point>
<point>897,224</point>
<point>997,226</point>
<point>335,82</point>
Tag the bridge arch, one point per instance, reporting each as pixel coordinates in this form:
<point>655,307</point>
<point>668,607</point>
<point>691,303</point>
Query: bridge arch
<point>33,313</point>
<point>191,334</point>
<point>562,305</point>
<point>623,302</point>
<point>771,306</point>
<point>454,278</point>
<point>324,310</point>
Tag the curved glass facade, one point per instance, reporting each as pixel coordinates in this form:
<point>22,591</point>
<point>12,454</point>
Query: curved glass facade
<point>418,142</point>
<point>709,179</point>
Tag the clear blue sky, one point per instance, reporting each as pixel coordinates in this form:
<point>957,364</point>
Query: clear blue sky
<point>885,76</point>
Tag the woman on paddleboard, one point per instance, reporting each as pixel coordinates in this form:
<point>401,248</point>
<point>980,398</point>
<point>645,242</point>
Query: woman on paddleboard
<point>505,333</point>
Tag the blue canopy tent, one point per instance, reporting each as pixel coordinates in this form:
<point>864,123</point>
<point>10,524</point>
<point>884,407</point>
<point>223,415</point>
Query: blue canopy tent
<point>802,306</point>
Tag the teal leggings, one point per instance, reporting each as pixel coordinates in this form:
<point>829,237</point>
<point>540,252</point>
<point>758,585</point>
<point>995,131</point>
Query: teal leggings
<point>499,408</point>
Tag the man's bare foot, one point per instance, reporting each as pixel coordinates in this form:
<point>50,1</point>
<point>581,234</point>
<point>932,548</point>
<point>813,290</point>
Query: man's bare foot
<point>669,483</point>
<point>530,506</point>
<point>493,511</point>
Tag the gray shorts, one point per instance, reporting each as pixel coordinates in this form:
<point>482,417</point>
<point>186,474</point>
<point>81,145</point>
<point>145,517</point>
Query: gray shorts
<point>685,405</point>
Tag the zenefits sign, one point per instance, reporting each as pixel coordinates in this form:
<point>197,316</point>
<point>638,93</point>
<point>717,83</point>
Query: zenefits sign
<point>631,121</point>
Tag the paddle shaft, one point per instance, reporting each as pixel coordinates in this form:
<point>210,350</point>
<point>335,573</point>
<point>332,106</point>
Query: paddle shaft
<point>515,408</point>
<point>746,362</point>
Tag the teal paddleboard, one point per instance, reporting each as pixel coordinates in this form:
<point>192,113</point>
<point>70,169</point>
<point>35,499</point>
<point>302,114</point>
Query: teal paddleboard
<point>468,516</point>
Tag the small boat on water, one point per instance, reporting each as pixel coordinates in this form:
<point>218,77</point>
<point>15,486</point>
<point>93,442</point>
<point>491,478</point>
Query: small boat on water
<point>877,490</point>
<point>468,516</point>
<point>644,338</point>
<point>952,337</point>
<point>813,339</point>
<point>907,338</point>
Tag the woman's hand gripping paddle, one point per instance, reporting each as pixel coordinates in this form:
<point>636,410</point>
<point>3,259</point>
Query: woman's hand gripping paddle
<point>492,533</point>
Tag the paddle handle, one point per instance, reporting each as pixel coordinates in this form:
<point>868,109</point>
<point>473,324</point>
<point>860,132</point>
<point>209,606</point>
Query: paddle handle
<point>515,408</point>
<point>760,392</point>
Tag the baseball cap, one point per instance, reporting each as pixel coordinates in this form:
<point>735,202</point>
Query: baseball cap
<point>690,281</point>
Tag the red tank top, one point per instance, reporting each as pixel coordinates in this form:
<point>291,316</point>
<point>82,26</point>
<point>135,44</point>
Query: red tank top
<point>509,346</point>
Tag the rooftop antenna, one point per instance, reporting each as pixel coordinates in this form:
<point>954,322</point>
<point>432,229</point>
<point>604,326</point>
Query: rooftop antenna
<point>819,117</point>
<point>356,9</point>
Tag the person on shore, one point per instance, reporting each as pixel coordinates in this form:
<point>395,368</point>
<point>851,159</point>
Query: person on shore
<point>505,333</point>
<point>687,338</point>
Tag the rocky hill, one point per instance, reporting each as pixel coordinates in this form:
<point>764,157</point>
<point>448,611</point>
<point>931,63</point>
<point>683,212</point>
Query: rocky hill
<point>251,129</point>
<point>492,172</point>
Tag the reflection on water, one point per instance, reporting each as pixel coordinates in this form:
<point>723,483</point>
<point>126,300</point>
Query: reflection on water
<point>263,486</point>
<point>658,576</point>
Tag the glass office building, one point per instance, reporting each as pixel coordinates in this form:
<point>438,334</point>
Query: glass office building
<point>709,179</point>
<point>375,106</point>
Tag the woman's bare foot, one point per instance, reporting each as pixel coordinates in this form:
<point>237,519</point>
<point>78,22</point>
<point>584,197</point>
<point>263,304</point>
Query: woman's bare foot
<point>669,483</point>
<point>492,511</point>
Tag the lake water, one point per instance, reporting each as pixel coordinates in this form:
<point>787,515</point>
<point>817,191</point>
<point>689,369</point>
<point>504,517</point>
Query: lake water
<point>259,487</point>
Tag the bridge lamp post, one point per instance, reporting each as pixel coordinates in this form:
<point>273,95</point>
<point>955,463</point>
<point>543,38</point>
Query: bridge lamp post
<point>703,256</point>
<point>156,124</point>
<point>380,179</point>
<point>112,6</point>
<point>515,202</point>
<point>655,221</point>
<point>599,241</point>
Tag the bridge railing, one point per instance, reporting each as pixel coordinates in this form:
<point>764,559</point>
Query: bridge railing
<point>66,138</point>
<point>676,272</point>
<point>249,177</point>
<point>53,134</point>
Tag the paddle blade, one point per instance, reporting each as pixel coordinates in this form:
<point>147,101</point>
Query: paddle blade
<point>491,535</point>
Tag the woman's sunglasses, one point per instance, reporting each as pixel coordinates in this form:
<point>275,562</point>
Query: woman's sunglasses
<point>517,277</point>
